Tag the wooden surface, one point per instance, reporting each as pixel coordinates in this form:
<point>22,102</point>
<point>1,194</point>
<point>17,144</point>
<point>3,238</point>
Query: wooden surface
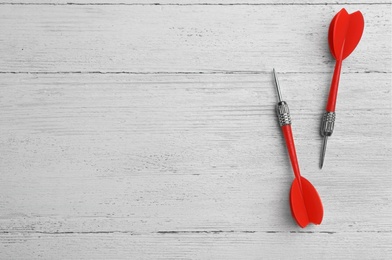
<point>136,130</point>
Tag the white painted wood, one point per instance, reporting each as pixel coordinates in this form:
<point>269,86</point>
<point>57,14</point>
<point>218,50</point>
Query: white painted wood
<point>107,156</point>
<point>207,39</point>
<point>145,132</point>
<point>225,245</point>
<point>197,2</point>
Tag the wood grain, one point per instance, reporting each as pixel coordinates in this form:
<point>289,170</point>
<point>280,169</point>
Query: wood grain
<point>224,245</point>
<point>130,130</point>
<point>163,155</point>
<point>194,2</point>
<point>188,39</point>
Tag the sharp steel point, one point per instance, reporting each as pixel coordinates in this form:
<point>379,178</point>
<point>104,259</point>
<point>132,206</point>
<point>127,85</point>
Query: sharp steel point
<point>323,152</point>
<point>277,86</point>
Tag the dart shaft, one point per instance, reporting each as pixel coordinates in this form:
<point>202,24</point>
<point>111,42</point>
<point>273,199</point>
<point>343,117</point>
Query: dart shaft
<point>284,117</point>
<point>333,91</point>
<point>288,137</point>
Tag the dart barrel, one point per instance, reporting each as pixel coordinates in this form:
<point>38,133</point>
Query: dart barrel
<point>282,109</point>
<point>328,123</point>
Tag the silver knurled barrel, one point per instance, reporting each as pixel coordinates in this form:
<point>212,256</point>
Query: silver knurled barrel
<point>282,109</point>
<point>328,123</point>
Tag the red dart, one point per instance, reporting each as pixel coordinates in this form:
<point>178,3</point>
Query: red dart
<point>344,34</point>
<point>305,203</point>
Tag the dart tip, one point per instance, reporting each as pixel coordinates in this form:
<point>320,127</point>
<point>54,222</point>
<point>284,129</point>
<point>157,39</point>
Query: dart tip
<point>323,151</point>
<point>277,85</point>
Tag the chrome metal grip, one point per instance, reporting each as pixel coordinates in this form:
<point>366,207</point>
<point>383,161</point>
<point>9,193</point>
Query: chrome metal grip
<point>282,109</point>
<point>328,123</point>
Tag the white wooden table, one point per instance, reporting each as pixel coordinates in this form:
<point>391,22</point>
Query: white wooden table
<point>136,130</point>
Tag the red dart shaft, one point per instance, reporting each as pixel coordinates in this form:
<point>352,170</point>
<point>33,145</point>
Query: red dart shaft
<point>333,91</point>
<point>288,136</point>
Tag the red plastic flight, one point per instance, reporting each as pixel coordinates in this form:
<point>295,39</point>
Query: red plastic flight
<point>344,34</point>
<point>305,202</point>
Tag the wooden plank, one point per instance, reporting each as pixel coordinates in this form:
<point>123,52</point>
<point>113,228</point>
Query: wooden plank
<point>209,39</point>
<point>95,152</point>
<point>195,2</point>
<point>130,130</point>
<point>192,245</point>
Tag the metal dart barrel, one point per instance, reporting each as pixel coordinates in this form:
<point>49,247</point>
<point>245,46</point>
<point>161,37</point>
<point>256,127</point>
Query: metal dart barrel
<point>282,109</point>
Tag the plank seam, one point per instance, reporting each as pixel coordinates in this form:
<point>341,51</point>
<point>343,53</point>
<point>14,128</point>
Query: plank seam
<point>192,232</point>
<point>200,4</point>
<point>182,72</point>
